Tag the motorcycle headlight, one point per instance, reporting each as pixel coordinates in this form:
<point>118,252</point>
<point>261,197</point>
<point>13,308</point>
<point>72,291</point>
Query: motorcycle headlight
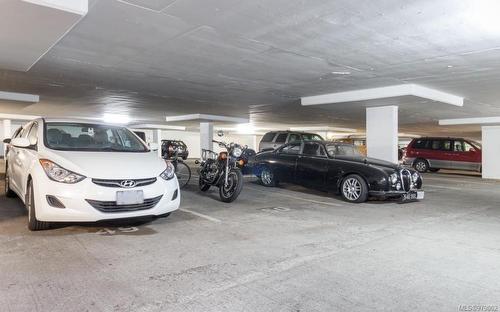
<point>237,152</point>
<point>393,178</point>
<point>59,174</point>
<point>168,173</point>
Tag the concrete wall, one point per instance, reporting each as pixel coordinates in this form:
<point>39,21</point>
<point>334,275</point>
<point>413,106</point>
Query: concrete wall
<point>14,126</point>
<point>192,139</point>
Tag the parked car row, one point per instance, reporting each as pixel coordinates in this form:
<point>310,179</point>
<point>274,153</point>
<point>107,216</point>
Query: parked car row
<point>68,170</point>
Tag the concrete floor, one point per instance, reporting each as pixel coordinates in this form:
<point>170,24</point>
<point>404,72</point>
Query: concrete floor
<point>282,249</point>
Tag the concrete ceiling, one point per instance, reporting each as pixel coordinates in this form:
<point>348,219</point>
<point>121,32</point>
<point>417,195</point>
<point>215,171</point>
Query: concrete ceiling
<point>153,58</point>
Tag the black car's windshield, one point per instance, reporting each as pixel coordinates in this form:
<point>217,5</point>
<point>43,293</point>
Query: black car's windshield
<point>91,137</point>
<point>342,150</point>
<point>311,137</point>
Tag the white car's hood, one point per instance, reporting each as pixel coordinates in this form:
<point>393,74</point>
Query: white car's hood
<point>108,165</point>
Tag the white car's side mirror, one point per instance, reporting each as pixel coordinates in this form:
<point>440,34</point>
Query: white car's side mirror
<point>20,142</point>
<point>153,146</point>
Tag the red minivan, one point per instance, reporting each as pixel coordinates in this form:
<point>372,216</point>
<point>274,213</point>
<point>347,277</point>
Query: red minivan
<point>443,153</point>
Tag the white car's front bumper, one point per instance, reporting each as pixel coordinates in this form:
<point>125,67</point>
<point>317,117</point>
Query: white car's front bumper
<point>77,209</point>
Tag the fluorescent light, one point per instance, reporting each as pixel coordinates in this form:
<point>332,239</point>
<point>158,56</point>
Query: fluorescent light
<point>20,97</point>
<point>245,128</point>
<point>116,118</point>
<point>483,15</point>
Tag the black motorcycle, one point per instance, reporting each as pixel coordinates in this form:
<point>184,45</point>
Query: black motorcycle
<point>222,170</point>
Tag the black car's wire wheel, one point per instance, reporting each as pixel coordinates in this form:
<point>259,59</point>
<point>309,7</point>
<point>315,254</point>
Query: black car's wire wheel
<point>267,177</point>
<point>354,189</point>
<point>183,173</point>
<point>230,191</point>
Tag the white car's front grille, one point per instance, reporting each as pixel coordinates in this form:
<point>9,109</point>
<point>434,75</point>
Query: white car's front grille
<point>112,206</point>
<point>120,183</point>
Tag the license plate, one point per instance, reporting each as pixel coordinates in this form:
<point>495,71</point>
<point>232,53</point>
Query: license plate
<point>129,197</point>
<point>413,195</point>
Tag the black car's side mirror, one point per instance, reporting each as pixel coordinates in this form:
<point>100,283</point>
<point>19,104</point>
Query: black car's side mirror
<point>6,141</point>
<point>197,162</point>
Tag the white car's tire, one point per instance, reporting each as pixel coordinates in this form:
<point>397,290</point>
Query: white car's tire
<point>33,223</point>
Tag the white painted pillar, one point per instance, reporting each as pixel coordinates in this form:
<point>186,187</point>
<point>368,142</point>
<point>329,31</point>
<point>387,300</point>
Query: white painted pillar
<point>255,142</point>
<point>490,152</point>
<point>382,133</point>
<point>157,140</point>
<point>206,136</point>
<point>7,133</point>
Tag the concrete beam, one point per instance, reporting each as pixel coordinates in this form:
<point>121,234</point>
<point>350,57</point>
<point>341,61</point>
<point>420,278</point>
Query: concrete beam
<point>157,126</point>
<point>206,118</point>
<point>470,121</point>
<point>382,93</point>
<point>19,97</point>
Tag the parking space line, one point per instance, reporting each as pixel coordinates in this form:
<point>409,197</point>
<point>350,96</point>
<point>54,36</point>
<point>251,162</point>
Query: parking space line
<point>444,187</point>
<point>296,197</point>
<point>209,218</point>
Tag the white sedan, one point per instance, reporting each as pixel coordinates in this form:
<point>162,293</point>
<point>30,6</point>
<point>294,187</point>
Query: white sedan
<point>77,171</point>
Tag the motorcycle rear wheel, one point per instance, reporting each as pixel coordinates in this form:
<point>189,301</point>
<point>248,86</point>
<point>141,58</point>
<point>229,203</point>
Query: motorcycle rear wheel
<point>235,185</point>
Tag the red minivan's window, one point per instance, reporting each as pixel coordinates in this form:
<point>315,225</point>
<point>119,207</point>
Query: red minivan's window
<point>421,144</point>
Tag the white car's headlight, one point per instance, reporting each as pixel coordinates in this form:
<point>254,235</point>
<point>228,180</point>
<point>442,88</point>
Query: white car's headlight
<point>59,174</point>
<point>237,152</point>
<point>168,173</point>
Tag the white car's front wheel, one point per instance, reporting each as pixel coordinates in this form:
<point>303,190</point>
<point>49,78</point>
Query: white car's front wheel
<point>33,223</point>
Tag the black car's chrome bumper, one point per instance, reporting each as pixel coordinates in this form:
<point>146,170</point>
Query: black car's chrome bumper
<point>393,193</point>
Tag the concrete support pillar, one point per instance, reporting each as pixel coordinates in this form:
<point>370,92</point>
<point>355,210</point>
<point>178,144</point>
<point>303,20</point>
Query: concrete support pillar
<point>7,133</point>
<point>255,142</point>
<point>157,140</point>
<point>206,136</point>
<point>490,152</point>
<point>382,133</point>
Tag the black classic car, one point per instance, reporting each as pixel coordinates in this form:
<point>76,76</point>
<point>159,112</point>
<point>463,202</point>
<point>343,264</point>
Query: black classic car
<point>338,167</point>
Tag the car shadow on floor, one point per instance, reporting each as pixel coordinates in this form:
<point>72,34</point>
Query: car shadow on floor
<point>327,195</point>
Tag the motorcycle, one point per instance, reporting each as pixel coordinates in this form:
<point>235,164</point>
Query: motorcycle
<point>222,170</point>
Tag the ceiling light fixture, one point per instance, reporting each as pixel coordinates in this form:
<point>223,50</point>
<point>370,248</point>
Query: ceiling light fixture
<point>483,14</point>
<point>245,128</point>
<point>116,118</point>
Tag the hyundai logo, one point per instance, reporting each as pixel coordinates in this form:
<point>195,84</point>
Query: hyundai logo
<point>127,183</point>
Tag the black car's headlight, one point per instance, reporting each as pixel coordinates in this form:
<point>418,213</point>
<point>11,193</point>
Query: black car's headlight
<point>59,174</point>
<point>415,177</point>
<point>169,172</point>
<point>393,178</point>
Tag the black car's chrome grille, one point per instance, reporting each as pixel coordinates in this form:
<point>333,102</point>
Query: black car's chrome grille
<point>405,179</point>
<point>116,183</point>
<point>111,206</point>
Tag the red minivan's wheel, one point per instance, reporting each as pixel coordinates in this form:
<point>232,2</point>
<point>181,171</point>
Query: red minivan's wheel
<point>421,165</point>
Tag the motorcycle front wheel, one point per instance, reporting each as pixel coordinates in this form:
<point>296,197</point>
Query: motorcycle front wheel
<point>230,192</point>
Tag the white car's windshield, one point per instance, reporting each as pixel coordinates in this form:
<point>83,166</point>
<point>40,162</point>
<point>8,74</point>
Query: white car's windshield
<point>91,137</point>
